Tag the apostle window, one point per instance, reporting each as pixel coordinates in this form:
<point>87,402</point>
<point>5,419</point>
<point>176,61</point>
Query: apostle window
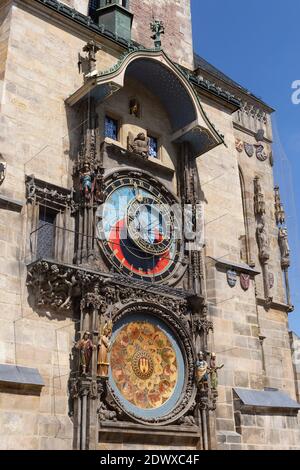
<point>154,149</point>
<point>111,128</point>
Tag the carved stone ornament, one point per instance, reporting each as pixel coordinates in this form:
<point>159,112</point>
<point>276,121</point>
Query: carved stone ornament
<point>263,242</point>
<point>261,154</point>
<point>87,64</point>
<point>139,144</point>
<point>56,285</point>
<point>51,285</point>
<point>249,149</point>
<point>271,280</point>
<point>260,135</point>
<point>279,209</point>
<point>231,278</point>
<point>259,198</point>
<point>157,27</point>
<point>239,145</point>
<point>49,194</point>
<point>284,248</point>
<point>245,281</point>
<point>3,166</point>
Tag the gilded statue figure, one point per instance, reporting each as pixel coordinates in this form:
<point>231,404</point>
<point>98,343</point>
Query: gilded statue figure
<point>104,346</point>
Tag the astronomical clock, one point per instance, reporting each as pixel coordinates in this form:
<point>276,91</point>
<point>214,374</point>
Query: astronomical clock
<point>138,232</point>
<point>143,321</point>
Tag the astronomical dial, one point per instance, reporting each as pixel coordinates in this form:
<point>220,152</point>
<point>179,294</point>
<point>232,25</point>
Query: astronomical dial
<point>137,228</point>
<point>149,225</point>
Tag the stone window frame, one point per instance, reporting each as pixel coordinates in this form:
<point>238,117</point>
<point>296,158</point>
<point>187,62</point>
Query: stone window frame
<point>42,195</point>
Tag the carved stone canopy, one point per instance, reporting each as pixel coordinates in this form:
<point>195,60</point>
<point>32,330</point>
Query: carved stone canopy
<point>155,71</point>
<point>38,191</point>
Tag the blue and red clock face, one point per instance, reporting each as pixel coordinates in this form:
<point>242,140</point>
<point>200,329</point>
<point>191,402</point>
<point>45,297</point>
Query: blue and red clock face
<point>137,230</point>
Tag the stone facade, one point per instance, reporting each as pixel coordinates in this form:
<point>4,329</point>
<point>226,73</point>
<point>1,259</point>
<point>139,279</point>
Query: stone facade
<point>52,119</point>
<point>177,41</point>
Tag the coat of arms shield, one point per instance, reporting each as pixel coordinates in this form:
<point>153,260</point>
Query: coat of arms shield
<point>245,281</point>
<point>239,145</point>
<point>261,154</point>
<point>231,277</point>
<point>249,149</point>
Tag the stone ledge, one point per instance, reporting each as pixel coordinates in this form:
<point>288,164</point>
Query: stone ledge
<point>268,400</point>
<point>273,304</point>
<point>17,377</point>
<point>10,204</point>
<point>150,435</point>
<point>239,267</point>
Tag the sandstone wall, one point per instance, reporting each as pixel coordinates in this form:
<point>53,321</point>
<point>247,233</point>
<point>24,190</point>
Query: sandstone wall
<point>238,321</point>
<point>5,13</point>
<point>35,135</point>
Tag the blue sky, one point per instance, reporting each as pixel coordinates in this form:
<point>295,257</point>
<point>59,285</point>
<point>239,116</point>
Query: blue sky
<point>257,44</point>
